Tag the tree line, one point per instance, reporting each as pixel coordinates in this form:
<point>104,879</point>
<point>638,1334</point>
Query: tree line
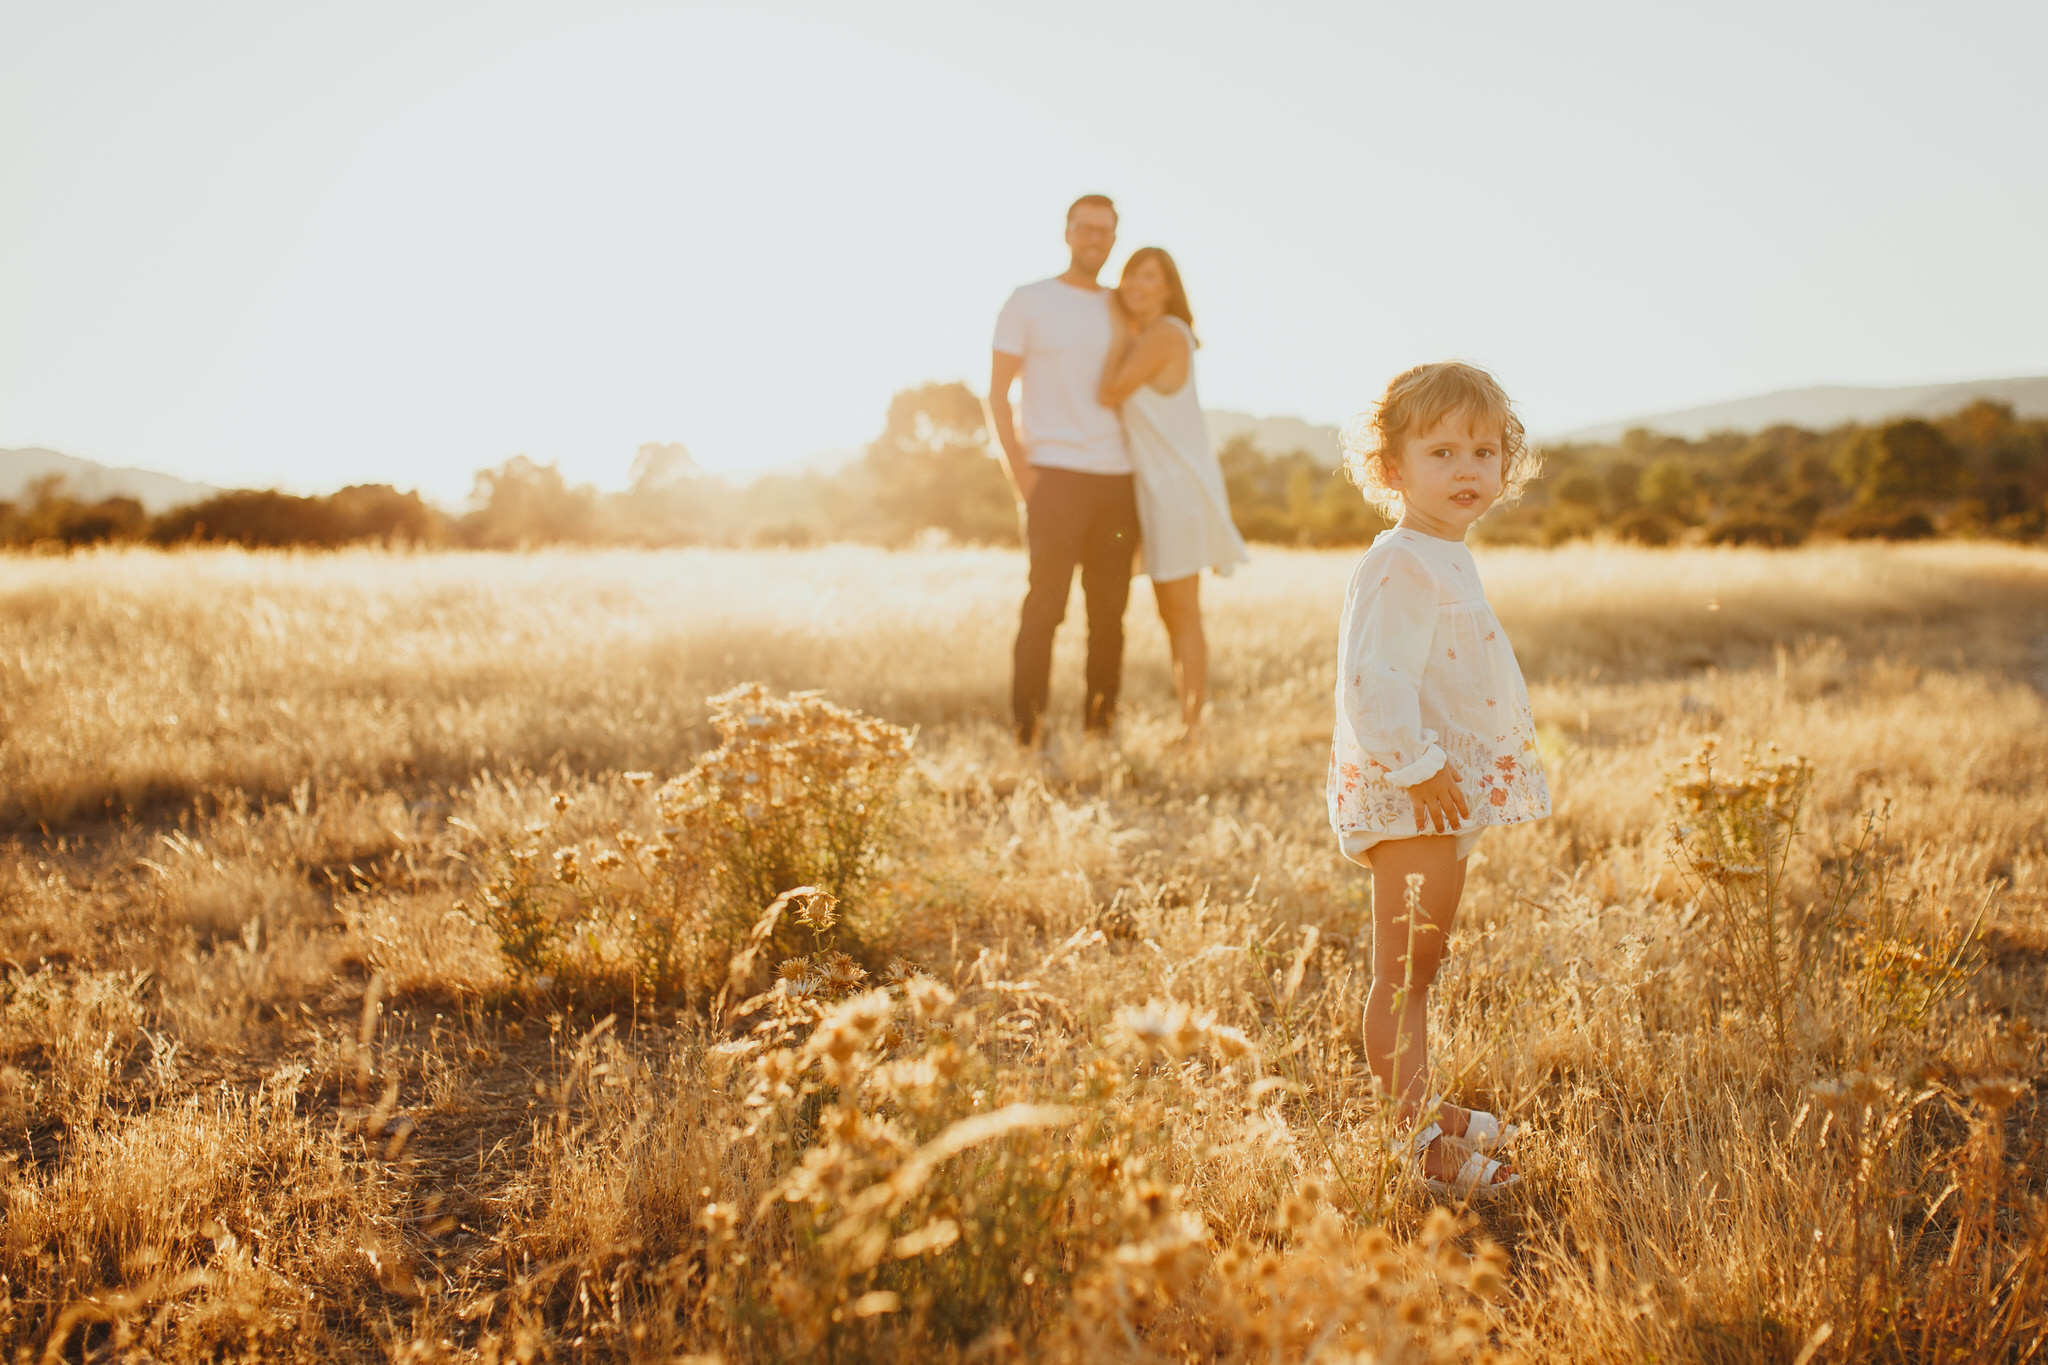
<point>1981,471</point>
<point>1978,472</point>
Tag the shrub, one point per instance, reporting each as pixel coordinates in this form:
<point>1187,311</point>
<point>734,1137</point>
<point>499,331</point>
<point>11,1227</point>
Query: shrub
<point>799,792</point>
<point>1870,524</point>
<point>790,812</point>
<point>1566,523</point>
<point>1756,529</point>
<point>1645,527</point>
<point>518,906</point>
<point>1732,837</point>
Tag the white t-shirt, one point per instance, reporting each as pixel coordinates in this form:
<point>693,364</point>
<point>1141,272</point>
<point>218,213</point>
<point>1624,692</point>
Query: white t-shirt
<point>1063,332</point>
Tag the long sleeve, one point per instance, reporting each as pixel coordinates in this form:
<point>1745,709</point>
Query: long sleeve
<point>1389,623</point>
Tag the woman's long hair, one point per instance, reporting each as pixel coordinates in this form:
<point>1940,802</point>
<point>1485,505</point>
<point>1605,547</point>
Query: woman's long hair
<point>1176,295</point>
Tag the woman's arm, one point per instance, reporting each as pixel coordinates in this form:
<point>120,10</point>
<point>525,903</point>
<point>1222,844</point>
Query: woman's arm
<point>1134,362</point>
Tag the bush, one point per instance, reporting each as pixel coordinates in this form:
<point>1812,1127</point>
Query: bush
<point>1567,523</point>
<point>1645,527</point>
<point>799,792</point>
<point>1871,524</point>
<point>51,516</point>
<point>1732,836</point>
<point>1776,532</point>
<point>790,813</point>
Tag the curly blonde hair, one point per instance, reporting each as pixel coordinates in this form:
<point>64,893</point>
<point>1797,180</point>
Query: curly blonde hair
<point>1417,400</point>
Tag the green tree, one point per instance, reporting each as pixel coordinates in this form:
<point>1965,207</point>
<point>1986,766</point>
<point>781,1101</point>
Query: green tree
<point>931,467</point>
<point>1667,486</point>
<point>1900,462</point>
<point>1582,490</point>
<point>523,502</point>
<point>671,501</point>
<point>1624,480</point>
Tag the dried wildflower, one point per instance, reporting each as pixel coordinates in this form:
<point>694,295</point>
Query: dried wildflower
<point>567,869</point>
<point>1151,1200</point>
<point>947,1059</point>
<point>839,973</point>
<point>928,998</point>
<point>639,780</point>
<point>1487,1275</point>
<point>814,909</point>
<point>936,1235</point>
<point>718,1221</point>
<point>777,1067</point>
<point>1233,1259</point>
<point>1169,1027</point>
<point>848,1028</point>
<point>1230,1043</point>
<point>1378,1249</point>
<point>907,1076</point>
<point>560,803</point>
<point>1438,1228</point>
<point>1852,1091</point>
<point>605,860</point>
<point>1998,1095</point>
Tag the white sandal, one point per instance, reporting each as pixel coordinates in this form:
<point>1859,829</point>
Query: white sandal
<point>1483,1131</point>
<point>1474,1180</point>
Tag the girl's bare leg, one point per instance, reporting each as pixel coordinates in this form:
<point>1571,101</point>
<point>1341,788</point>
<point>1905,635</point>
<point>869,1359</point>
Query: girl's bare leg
<point>1405,960</point>
<point>1180,607</point>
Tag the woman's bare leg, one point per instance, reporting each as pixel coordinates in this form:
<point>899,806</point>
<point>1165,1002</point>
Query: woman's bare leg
<point>1180,607</point>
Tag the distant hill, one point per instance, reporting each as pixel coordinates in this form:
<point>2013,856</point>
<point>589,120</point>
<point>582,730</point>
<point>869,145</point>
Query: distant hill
<point>89,481</point>
<point>1826,406</point>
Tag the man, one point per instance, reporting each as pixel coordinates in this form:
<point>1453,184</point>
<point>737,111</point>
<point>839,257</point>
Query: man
<point>1070,468</point>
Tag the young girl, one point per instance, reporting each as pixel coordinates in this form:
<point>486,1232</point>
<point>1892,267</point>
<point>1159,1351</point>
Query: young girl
<point>1434,740</point>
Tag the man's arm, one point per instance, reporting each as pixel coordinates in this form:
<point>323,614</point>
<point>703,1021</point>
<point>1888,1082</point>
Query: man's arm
<point>1001,374</point>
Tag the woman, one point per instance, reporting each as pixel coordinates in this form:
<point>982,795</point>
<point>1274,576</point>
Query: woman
<point>1183,510</point>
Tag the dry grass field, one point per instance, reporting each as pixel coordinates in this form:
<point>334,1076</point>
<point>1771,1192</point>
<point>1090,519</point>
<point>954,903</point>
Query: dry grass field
<point>394,969</point>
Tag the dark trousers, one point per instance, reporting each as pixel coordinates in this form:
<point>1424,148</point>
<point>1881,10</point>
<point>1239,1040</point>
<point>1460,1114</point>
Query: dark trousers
<point>1089,520</point>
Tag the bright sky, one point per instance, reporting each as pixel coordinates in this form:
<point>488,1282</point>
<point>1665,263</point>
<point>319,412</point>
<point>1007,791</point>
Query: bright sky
<point>309,245</point>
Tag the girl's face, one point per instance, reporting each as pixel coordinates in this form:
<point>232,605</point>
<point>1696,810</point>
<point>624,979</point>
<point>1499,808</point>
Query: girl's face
<point>1447,476</point>
<point>1143,290</point>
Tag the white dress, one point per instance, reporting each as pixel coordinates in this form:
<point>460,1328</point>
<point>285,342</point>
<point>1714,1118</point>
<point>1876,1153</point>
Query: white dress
<point>1183,510</point>
<point>1425,673</point>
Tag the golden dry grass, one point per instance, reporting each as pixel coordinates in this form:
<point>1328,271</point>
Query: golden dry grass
<point>265,1088</point>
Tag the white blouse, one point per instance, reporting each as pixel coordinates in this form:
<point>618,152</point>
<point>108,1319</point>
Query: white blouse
<point>1425,672</point>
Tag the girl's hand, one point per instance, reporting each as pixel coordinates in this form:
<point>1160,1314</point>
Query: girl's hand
<point>1439,801</point>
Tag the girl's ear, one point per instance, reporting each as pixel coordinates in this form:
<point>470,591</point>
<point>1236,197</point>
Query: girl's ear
<point>1390,470</point>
